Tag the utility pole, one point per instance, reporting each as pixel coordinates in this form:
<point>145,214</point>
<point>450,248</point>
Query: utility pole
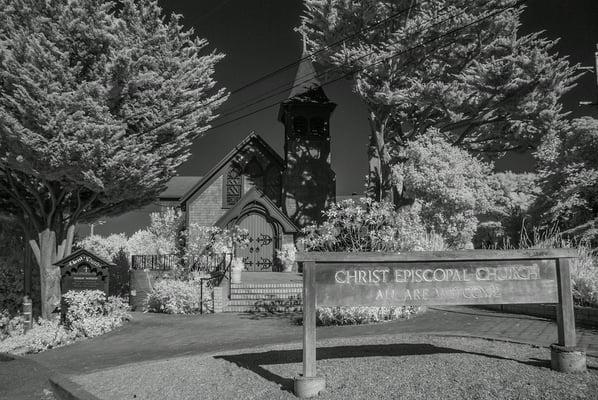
<point>593,69</point>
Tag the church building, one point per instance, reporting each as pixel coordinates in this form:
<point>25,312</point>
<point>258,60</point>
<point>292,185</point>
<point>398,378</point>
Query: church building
<point>271,195</point>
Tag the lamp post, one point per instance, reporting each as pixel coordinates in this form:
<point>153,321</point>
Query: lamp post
<point>91,226</point>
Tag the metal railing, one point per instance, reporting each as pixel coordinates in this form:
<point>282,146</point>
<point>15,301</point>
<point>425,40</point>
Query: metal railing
<point>207,263</point>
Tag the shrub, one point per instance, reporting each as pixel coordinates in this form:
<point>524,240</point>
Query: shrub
<point>11,284</point>
<point>368,225</point>
<point>90,313</point>
<point>44,335</point>
<point>362,315</point>
<point>584,274</point>
<point>172,296</point>
<point>10,325</point>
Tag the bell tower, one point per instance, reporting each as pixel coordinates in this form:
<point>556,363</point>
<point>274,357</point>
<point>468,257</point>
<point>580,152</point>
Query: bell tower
<point>309,183</point>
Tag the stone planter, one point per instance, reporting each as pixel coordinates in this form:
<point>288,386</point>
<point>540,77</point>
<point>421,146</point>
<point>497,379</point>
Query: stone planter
<point>287,266</point>
<point>235,276</point>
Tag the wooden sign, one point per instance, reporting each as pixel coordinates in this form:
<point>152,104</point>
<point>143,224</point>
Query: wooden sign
<point>431,278</point>
<point>83,270</point>
<point>435,283</point>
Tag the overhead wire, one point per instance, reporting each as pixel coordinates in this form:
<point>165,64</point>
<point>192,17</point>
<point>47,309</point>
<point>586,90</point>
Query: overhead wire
<point>394,55</point>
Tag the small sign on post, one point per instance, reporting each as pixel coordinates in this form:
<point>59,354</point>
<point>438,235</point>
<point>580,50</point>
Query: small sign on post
<point>83,270</point>
<point>437,278</point>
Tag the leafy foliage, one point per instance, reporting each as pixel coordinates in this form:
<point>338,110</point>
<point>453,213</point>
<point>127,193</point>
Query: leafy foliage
<point>362,315</point>
<point>99,102</point>
<point>90,314</point>
<point>369,226</point>
<point>485,87</point>
<point>450,185</point>
<point>172,296</point>
<point>568,181</point>
<point>510,210</point>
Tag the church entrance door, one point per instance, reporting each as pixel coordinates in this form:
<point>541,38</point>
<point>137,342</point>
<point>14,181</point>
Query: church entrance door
<point>258,255</point>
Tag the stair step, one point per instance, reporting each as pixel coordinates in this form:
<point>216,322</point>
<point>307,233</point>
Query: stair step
<point>253,302</point>
<point>259,296</point>
<point>254,309</point>
<point>266,292</point>
<point>265,285</point>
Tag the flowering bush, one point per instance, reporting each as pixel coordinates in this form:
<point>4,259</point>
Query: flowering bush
<point>172,296</point>
<point>44,335</point>
<point>287,253</point>
<point>362,315</point>
<point>105,247</point>
<point>90,313</point>
<point>212,240</point>
<point>10,325</point>
<point>368,225</point>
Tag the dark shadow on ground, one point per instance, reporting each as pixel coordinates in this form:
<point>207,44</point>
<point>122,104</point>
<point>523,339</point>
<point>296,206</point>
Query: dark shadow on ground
<point>255,361</point>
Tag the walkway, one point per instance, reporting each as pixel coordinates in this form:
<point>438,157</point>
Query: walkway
<point>156,336</point>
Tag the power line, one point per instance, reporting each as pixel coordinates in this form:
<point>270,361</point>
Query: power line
<point>285,87</point>
<point>378,62</point>
<point>284,68</point>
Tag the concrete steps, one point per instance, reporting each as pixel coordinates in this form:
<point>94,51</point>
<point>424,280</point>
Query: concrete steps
<point>265,297</point>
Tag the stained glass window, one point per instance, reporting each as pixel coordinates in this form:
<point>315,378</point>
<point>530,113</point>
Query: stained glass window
<point>233,187</point>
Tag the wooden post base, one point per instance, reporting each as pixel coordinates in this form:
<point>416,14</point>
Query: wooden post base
<point>306,387</point>
<point>567,359</point>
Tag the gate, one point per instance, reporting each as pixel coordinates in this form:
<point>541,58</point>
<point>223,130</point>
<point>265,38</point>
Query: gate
<point>259,252</point>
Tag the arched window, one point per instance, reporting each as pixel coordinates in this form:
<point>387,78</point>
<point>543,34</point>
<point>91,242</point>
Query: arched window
<point>318,126</point>
<point>273,181</point>
<point>300,125</point>
<point>255,173</point>
<point>233,188</point>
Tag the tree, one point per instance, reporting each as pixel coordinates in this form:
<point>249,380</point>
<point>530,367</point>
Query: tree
<point>510,211</point>
<point>451,186</point>
<point>99,102</point>
<point>457,65</point>
<point>568,176</point>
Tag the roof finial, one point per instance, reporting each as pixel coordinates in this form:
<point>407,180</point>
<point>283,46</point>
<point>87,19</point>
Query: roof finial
<point>304,38</point>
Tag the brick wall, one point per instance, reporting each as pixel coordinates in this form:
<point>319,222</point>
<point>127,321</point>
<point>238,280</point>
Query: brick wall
<point>206,208</point>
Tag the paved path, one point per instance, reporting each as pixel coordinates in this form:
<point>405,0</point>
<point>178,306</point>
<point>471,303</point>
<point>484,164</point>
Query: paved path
<point>156,336</point>
<point>159,336</point>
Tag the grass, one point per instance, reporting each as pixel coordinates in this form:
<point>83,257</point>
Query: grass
<point>383,367</point>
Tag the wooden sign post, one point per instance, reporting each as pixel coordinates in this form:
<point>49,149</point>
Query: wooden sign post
<point>438,278</point>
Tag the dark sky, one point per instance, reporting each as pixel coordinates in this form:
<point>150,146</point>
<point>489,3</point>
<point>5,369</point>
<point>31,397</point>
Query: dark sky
<point>257,37</point>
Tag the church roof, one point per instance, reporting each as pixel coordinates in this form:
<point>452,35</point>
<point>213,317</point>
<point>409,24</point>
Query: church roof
<point>256,197</point>
<point>307,86</point>
<point>178,186</point>
<point>251,138</point>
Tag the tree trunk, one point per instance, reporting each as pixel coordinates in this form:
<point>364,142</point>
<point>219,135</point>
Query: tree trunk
<point>47,252</point>
<point>380,173</point>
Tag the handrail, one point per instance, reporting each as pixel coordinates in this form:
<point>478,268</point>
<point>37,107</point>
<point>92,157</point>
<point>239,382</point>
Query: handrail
<point>217,276</point>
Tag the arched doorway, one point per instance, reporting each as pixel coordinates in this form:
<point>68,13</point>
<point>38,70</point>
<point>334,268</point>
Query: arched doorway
<point>258,255</point>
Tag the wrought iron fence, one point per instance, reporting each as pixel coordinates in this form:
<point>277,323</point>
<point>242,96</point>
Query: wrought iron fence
<point>207,263</point>
<point>158,262</point>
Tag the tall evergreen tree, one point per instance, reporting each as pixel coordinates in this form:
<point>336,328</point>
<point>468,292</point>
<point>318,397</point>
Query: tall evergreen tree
<point>99,103</point>
<point>487,88</point>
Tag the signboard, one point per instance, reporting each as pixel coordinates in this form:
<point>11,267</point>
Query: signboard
<point>83,270</point>
<point>432,278</point>
<point>435,283</point>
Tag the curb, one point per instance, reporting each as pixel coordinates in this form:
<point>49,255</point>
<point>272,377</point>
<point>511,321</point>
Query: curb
<point>65,389</point>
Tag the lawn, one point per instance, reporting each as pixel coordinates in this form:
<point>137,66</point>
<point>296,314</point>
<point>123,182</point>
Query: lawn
<point>382,367</point>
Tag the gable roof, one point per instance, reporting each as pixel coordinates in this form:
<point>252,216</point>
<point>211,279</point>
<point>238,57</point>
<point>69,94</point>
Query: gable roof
<point>255,195</point>
<point>79,253</point>
<point>252,137</point>
<point>178,186</point>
